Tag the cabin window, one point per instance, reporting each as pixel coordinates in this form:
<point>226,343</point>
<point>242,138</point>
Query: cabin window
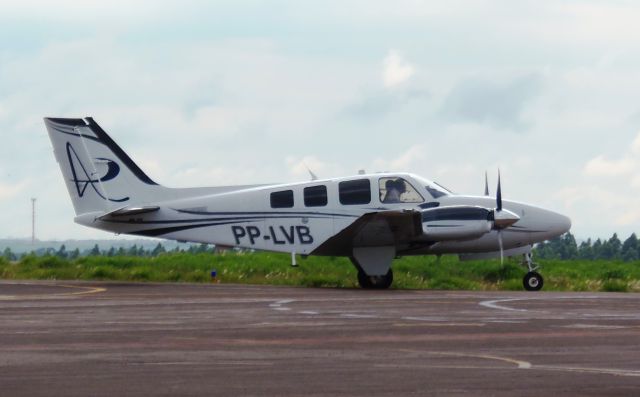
<point>283,199</point>
<point>355,192</point>
<point>398,190</point>
<point>315,196</point>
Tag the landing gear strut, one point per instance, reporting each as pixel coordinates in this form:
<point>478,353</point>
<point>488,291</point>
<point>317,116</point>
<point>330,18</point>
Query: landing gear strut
<point>532,281</point>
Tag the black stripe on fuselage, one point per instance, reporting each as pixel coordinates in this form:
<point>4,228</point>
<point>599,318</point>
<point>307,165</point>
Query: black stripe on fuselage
<point>166,230</point>
<point>232,219</point>
<point>300,214</point>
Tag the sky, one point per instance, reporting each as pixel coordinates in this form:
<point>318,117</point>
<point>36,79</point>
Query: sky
<point>205,93</point>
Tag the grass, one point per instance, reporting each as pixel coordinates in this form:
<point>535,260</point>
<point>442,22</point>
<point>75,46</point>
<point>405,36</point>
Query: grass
<point>271,268</point>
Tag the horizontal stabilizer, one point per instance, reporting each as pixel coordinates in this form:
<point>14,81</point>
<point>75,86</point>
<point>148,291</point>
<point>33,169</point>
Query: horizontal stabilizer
<point>129,211</point>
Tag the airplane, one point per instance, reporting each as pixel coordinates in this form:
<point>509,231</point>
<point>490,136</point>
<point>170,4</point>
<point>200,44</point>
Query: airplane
<point>369,218</point>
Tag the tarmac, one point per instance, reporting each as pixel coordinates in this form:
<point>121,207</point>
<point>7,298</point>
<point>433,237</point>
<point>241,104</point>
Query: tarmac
<point>147,339</point>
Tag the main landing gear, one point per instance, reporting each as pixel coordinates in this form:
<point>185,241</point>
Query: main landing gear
<point>375,282</point>
<point>374,266</point>
<point>532,281</point>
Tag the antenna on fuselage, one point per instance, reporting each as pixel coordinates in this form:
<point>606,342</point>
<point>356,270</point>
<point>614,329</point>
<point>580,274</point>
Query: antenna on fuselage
<point>313,176</point>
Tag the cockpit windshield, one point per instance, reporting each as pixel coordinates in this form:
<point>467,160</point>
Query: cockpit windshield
<point>435,189</point>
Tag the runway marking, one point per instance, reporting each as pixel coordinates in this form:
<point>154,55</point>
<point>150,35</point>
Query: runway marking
<point>493,304</point>
<point>604,371</point>
<point>521,364</point>
<point>425,324</point>
<point>355,315</point>
<point>594,326</point>
<point>225,363</point>
<point>278,304</point>
<point>87,291</point>
<point>309,312</point>
<point>412,318</point>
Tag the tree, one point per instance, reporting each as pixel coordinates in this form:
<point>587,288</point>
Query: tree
<point>75,254</point>
<point>8,254</point>
<point>610,248</point>
<point>630,255</point>
<point>62,252</point>
<point>95,251</point>
<point>629,251</point>
<point>569,247</point>
<point>596,248</point>
<point>159,249</point>
<point>133,251</point>
<point>585,251</point>
<point>615,246</point>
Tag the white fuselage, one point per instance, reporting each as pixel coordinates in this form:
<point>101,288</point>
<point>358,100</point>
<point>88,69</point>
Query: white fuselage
<point>299,220</point>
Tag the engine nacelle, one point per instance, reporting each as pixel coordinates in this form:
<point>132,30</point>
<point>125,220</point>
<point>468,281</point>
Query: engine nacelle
<point>456,222</point>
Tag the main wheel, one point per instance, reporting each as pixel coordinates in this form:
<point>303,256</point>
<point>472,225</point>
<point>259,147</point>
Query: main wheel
<point>533,281</point>
<point>375,282</point>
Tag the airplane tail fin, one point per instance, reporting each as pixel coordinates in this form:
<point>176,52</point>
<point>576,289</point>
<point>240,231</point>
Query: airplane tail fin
<point>99,175</point>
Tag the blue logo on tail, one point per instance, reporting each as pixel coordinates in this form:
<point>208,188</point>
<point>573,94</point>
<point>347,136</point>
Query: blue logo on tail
<point>113,169</point>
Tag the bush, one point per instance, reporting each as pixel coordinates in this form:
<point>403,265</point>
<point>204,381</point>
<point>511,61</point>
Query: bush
<point>614,286</point>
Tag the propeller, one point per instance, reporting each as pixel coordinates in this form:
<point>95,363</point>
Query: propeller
<point>486,184</point>
<point>499,195</point>
<point>502,218</point>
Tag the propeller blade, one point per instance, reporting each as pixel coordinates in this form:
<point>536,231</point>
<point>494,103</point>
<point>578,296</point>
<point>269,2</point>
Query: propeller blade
<point>486,184</point>
<point>499,195</point>
<point>500,244</point>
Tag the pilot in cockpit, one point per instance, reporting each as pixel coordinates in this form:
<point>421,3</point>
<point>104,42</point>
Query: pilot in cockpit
<point>394,188</point>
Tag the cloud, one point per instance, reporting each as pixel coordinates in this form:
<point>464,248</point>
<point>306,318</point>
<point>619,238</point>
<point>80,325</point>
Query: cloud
<point>635,145</point>
<point>496,103</point>
<point>413,156</point>
<point>396,70</point>
<point>8,191</point>
<point>599,166</point>
<point>627,164</point>
<point>373,105</point>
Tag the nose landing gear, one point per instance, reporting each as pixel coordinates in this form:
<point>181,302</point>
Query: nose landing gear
<point>532,281</point>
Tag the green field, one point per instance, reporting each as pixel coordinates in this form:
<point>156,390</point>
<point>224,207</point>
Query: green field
<point>269,268</point>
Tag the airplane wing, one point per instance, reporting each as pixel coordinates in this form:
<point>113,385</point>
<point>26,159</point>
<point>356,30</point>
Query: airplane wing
<point>374,229</point>
<point>129,211</point>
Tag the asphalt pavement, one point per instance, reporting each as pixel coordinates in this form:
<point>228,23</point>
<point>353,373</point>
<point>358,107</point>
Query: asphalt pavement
<point>105,339</point>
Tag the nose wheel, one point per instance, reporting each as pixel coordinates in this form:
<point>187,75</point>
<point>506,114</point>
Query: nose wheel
<point>532,281</point>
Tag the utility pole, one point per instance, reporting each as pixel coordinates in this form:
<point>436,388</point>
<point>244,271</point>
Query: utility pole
<point>33,220</point>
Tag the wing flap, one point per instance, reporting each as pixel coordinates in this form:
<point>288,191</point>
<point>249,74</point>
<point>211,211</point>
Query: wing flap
<point>384,228</point>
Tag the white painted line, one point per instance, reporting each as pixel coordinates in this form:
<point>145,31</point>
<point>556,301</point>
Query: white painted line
<point>280,302</point>
<point>433,319</point>
<point>594,326</point>
<point>607,371</point>
<point>493,304</point>
<point>506,321</point>
<point>310,312</point>
<point>354,315</point>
